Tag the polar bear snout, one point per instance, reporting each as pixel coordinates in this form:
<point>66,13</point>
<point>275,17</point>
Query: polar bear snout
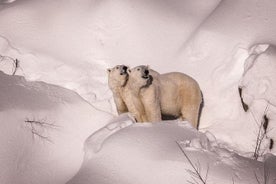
<point>146,71</point>
<point>123,70</point>
<point>145,74</point>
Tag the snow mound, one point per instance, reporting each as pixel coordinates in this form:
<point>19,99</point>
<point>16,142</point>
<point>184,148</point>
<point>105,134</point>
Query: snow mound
<point>40,135</point>
<point>155,153</point>
<point>43,127</point>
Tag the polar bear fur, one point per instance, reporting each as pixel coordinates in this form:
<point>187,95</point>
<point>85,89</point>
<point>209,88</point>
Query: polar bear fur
<point>180,96</point>
<point>142,94</point>
<point>125,94</point>
<point>174,94</point>
<point>117,80</point>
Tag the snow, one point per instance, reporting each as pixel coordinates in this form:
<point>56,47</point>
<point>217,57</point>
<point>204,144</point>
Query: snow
<point>149,153</point>
<point>40,152</point>
<point>64,48</point>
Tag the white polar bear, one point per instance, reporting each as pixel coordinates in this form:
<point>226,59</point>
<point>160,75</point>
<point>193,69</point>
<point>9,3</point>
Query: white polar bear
<point>180,96</point>
<point>142,94</point>
<point>126,97</point>
<point>117,80</point>
<point>174,94</point>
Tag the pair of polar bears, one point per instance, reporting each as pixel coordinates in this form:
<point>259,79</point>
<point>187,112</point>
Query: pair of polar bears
<point>148,95</point>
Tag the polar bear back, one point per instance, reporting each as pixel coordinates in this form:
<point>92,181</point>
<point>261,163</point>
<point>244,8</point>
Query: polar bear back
<point>177,89</point>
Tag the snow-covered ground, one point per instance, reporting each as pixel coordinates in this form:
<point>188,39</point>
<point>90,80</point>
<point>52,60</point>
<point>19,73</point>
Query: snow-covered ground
<point>43,128</point>
<point>151,153</point>
<point>68,45</point>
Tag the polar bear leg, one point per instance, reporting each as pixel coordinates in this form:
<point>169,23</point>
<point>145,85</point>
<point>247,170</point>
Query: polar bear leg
<point>151,103</point>
<point>190,113</point>
<point>135,107</point>
<point>120,104</point>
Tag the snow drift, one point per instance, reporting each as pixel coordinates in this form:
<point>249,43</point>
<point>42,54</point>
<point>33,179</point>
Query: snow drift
<point>225,45</point>
<point>43,128</point>
<point>152,153</point>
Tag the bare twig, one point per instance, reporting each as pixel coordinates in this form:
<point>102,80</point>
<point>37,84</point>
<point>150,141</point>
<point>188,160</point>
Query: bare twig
<point>261,132</point>
<point>16,66</point>
<point>271,143</point>
<point>244,105</point>
<point>42,123</point>
<point>196,169</point>
<point>37,127</point>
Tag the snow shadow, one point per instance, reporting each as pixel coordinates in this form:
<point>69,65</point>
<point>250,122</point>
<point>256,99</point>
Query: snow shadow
<point>16,91</point>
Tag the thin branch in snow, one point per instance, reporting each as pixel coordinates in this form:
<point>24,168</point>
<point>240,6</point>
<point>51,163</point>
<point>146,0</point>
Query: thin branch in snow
<point>38,127</point>
<point>42,123</point>
<point>196,169</point>
<point>262,132</point>
<point>244,105</point>
<point>271,143</point>
<point>16,66</point>
<point>265,124</point>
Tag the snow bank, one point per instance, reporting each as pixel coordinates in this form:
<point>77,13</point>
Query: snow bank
<point>43,128</point>
<point>73,47</point>
<point>71,43</point>
<point>216,54</point>
<point>78,40</point>
<point>151,153</point>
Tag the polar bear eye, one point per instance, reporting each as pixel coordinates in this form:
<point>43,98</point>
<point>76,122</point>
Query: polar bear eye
<point>138,69</point>
<point>117,67</point>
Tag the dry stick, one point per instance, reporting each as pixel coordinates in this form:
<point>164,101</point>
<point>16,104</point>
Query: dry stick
<point>41,124</point>
<point>193,166</point>
<point>16,66</point>
<point>259,136</point>
<point>271,144</point>
<point>34,132</point>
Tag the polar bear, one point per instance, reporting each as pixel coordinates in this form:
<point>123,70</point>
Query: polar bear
<point>142,94</point>
<point>125,94</point>
<point>117,80</point>
<point>174,94</point>
<point>180,96</point>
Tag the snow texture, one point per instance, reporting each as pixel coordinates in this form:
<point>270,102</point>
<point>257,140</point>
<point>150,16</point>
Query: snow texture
<point>54,54</point>
<point>43,128</point>
<point>151,153</point>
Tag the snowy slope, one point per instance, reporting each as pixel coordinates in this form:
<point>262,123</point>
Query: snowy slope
<point>216,55</point>
<point>223,44</point>
<point>42,131</point>
<point>78,40</point>
<point>73,47</point>
<point>149,153</point>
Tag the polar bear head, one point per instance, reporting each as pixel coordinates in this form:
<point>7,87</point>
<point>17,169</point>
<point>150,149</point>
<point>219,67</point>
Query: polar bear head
<point>140,76</point>
<point>117,76</point>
